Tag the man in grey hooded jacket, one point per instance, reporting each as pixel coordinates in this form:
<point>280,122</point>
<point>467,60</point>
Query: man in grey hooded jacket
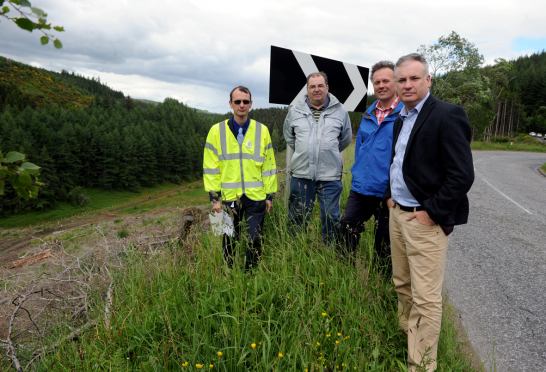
<point>318,129</point>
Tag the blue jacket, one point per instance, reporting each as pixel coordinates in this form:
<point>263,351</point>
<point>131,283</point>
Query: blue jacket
<point>373,153</point>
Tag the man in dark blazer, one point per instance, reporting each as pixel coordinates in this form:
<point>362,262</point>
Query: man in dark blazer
<point>430,174</point>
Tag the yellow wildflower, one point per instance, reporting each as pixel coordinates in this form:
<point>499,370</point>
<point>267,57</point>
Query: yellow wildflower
<point>339,334</point>
<point>253,345</point>
<point>318,343</point>
<point>280,355</point>
<point>199,366</point>
<point>324,314</point>
<point>184,364</point>
<point>220,353</point>
<point>210,366</point>
<point>328,335</point>
<point>321,283</point>
<point>337,342</point>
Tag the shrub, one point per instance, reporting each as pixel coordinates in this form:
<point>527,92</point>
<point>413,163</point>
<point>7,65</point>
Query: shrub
<point>123,233</point>
<point>499,139</point>
<point>77,196</point>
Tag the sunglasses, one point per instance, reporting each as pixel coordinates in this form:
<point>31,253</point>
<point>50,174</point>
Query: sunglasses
<point>238,101</point>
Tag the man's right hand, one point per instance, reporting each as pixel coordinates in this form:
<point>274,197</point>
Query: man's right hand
<point>390,203</point>
<point>217,206</point>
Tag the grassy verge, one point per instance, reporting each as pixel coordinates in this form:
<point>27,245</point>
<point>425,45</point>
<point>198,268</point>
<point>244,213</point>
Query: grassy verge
<point>544,167</point>
<point>99,201</point>
<point>520,144</point>
<point>301,309</point>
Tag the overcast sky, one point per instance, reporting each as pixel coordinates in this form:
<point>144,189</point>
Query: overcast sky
<point>196,51</point>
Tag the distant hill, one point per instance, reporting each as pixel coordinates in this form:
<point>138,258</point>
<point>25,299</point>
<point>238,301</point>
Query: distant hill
<point>37,87</point>
<point>147,101</point>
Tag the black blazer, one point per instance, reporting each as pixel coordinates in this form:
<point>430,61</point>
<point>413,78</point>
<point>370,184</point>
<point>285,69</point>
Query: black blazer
<point>437,166</point>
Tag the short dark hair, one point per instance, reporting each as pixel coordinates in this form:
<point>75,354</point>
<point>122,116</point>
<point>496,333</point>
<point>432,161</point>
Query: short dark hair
<point>413,57</point>
<point>379,65</point>
<point>320,73</point>
<point>242,89</point>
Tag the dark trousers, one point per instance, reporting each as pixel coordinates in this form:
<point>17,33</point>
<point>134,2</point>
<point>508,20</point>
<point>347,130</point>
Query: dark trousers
<point>302,200</point>
<point>253,212</point>
<point>359,209</point>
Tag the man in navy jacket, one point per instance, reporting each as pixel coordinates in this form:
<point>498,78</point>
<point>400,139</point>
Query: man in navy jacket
<point>371,168</point>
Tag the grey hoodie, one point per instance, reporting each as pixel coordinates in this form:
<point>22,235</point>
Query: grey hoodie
<point>318,146</point>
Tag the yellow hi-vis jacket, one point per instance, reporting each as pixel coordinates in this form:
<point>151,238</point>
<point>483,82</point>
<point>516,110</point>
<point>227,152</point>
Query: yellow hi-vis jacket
<point>237,169</point>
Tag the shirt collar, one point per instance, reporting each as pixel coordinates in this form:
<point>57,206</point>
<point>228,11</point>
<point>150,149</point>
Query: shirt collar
<point>404,111</point>
<point>325,105</point>
<point>237,126</point>
<point>393,106</point>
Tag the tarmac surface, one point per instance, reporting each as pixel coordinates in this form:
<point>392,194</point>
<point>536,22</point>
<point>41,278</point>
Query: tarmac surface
<point>496,264</point>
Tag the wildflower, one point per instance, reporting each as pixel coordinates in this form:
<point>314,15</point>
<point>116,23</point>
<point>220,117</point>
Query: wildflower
<point>324,314</point>
<point>318,343</point>
<point>337,342</point>
<point>220,353</point>
<point>328,335</point>
<point>253,345</point>
<point>210,366</point>
<point>280,355</point>
<point>199,366</point>
<point>339,334</point>
<point>321,283</point>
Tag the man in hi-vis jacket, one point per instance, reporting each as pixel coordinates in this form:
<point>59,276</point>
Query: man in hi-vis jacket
<point>239,171</point>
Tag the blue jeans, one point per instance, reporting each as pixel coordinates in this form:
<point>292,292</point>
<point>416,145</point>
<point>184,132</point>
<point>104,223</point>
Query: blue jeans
<point>302,200</point>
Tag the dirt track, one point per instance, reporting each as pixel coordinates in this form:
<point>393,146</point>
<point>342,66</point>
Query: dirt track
<point>11,247</point>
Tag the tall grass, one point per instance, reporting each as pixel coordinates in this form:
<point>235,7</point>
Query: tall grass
<point>301,309</point>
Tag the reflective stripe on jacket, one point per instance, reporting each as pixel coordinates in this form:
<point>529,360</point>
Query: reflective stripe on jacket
<point>240,169</point>
<point>318,146</point>
<point>373,153</point>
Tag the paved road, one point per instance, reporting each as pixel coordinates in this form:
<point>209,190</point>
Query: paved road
<point>496,264</point>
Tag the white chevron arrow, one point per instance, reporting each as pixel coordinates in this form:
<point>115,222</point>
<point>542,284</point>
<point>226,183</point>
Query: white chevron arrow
<point>308,66</point>
<point>358,83</point>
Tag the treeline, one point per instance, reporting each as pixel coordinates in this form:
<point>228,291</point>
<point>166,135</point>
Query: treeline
<point>502,99</point>
<point>108,148</point>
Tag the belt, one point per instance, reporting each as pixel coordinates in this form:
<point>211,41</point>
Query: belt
<point>411,209</point>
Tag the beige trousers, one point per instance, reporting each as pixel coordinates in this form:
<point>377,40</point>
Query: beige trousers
<point>418,261</point>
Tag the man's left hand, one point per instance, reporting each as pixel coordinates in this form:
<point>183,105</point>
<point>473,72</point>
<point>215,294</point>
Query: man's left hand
<point>422,218</point>
<point>268,206</point>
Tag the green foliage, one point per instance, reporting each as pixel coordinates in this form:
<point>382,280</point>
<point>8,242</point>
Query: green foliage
<point>123,233</point>
<point>501,139</point>
<point>30,18</point>
<point>77,197</point>
<point>18,172</point>
<point>302,308</point>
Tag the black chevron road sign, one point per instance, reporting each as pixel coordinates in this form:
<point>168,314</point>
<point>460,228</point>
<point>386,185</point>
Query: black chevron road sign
<point>289,70</point>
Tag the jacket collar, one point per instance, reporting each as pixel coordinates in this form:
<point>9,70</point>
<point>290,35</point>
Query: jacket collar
<point>370,111</point>
<point>303,107</point>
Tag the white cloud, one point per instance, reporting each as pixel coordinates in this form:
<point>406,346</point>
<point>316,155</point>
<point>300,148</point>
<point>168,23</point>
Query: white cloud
<point>199,50</point>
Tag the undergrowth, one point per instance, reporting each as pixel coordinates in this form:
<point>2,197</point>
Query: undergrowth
<point>300,309</point>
